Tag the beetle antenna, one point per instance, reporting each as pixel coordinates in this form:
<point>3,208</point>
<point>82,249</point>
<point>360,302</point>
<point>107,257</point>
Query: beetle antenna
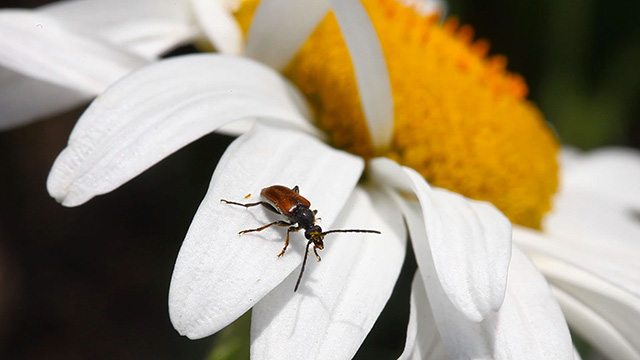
<point>304,262</point>
<point>352,230</point>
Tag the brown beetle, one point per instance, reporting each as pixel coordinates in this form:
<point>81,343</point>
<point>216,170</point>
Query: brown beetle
<point>295,209</point>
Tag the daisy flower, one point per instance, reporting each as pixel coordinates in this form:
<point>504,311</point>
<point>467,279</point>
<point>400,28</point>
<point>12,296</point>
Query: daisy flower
<point>463,246</point>
<point>507,156</point>
<point>61,55</point>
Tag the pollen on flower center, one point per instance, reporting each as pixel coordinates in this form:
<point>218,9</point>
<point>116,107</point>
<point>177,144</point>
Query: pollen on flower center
<point>461,119</point>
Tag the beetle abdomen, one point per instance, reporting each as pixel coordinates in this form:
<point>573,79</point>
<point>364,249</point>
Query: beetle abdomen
<point>283,199</point>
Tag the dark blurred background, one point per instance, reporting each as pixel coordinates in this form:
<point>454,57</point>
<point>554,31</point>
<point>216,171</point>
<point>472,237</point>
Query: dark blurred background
<point>92,281</point>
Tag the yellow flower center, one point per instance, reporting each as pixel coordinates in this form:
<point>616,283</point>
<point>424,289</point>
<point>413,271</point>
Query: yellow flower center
<point>461,119</point>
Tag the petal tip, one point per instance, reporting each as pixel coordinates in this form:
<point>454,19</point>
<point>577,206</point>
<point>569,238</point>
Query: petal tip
<point>55,192</point>
<point>190,327</point>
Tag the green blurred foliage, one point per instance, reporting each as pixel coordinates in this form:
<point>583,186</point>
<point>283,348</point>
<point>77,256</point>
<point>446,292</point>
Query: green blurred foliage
<point>232,343</point>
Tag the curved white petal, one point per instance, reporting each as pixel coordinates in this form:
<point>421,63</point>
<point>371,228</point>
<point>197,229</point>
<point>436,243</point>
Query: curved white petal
<point>23,99</point>
<point>530,322</point>
<point>616,263</point>
<point>219,25</point>
<point>587,222</point>
<point>476,238</point>
<point>579,214</point>
<point>593,215</point>
<point>595,328</point>
<point>612,173</point>
<point>219,275</point>
<point>423,339</point>
<point>372,75</point>
<point>237,128</point>
<point>583,226</point>
<point>470,242</point>
<point>157,110</point>
<point>620,310</point>
<point>145,27</point>
<point>340,298</point>
<point>36,45</point>
<point>579,275</point>
<point>529,325</point>
<point>280,27</point>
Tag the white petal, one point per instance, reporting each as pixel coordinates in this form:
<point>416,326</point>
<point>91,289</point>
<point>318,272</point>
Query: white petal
<point>473,236</point>
<point>370,68</point>
<point>529,325</point>
<point>237,128</point>
<point>613,173</point>
<point>577,273</point>
<point>578,213</point>
<point>614,262</point>
<point>340,298</point>
<point>390,173</point>
<point>470,241</point>
<point>23,99</point>
<point>595,232</point>
<point>145,27</point>
<point>157,110</point>
<point>446,316</point>
<point>617,308</point>
<point>423,339</point>
<point>219,25</point>
<point>220,275</point>
<point>568,156</point>
<point>280,27</point>
<point>596,329</point>
<point>35,44</point>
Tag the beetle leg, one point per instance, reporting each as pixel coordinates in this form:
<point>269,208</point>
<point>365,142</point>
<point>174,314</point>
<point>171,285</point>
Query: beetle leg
<point>276,223</point>
<point>240,204</point>
<point>316,252</point>
<point>263,203</point>
<point>286,241</point>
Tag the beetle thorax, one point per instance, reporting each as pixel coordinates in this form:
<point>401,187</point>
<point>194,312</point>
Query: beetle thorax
<point>304,217</point>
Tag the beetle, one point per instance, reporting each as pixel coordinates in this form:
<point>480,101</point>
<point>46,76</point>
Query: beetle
<point>295,209</point>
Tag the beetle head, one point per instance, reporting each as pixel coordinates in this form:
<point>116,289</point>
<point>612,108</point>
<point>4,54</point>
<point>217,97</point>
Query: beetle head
<point>314,233</point>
